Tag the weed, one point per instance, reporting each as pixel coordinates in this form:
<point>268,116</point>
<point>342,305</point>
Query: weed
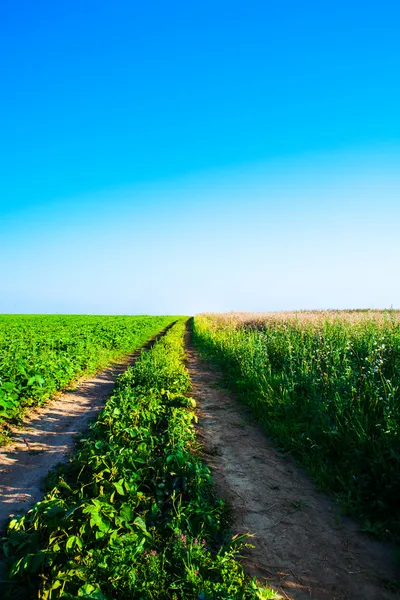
<point>298,504</point>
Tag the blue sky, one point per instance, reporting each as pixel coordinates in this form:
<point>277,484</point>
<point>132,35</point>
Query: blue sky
<point>185,157</point>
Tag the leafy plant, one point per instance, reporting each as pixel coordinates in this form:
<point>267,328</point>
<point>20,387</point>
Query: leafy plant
<point>42,354</point>
<point>135,514</point>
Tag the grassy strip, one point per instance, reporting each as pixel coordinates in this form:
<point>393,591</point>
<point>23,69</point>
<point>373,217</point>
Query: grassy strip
<point>328,391</point>
<point>41,354</point>
<point>134,515</point>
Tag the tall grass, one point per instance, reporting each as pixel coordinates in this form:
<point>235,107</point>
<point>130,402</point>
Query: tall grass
<point>326,385</point>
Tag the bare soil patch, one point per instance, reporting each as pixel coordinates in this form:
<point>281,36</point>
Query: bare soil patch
<point>303,547</point>
<point>47,438</point>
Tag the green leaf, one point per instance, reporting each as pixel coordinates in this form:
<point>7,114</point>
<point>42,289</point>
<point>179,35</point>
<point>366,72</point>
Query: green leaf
<point>94,593</point>
<point>8,386</point>
<point>15,569</point>
<point>142,525</point>
<point>126,513</point>
<point>96,518</point>
<point>119,487</point>
<point>73,509</point>
<point>73,541</point>
<point>37,561</point>
<point>86,590</point>
<point>56,584</point>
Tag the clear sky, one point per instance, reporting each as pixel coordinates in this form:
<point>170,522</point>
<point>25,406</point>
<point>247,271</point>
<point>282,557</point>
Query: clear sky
<point>180,157</point>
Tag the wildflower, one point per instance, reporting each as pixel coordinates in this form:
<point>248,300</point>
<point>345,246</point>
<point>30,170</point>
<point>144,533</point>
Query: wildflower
<point>153,552</point>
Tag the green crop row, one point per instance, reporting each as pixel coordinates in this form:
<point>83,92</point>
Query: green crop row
<point>134,515</point>
<point>41,354</point>
<point>328,389</point>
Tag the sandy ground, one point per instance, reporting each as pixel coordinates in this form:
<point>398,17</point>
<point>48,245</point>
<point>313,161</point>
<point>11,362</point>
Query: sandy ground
<point>47,438</point>
<point>48,435</point>
<point>303,548</point>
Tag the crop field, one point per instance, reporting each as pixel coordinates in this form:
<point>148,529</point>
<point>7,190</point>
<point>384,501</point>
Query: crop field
<point>41,354</point>
<point>326,386</point>
<point>135,512</point>
<point>134,515</point>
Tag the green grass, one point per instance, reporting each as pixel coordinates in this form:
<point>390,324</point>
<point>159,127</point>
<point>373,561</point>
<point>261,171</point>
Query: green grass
<point>328,389</point>
<point>135,514</point>
<point>42,354</point>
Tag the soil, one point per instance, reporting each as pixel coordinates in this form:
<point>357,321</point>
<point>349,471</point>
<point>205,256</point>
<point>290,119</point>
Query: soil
<point>48,435</point>
<point>303,548</point>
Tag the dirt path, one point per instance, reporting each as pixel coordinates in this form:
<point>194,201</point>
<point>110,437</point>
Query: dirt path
<point>47,437</point>
<point>302,548</point>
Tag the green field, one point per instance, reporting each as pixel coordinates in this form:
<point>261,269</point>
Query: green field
<point>326,386</point>
<point>42,354</point>
<point>135,514</point>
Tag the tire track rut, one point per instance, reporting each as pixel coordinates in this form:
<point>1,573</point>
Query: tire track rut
<point>303,548</point>
<point>48,435</point>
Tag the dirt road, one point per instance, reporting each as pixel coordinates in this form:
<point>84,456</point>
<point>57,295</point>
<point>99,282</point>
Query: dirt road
<point>48,435</point>
<point>303,548</point>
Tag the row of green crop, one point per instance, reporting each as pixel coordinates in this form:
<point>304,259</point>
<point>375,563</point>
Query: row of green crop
<point>41,354</point>
<point>329,391</point>
<point>134,515</point>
